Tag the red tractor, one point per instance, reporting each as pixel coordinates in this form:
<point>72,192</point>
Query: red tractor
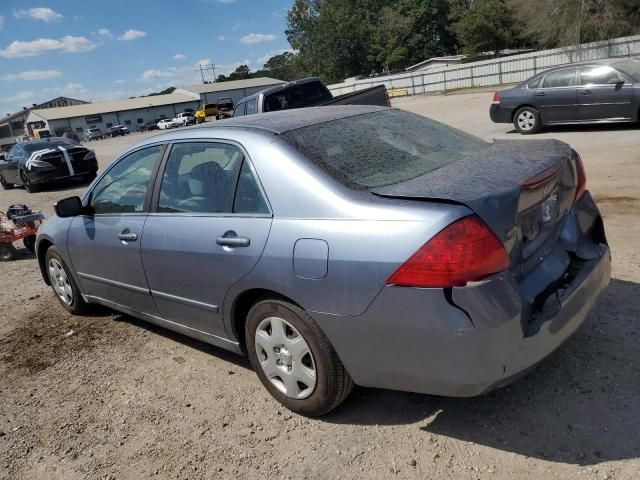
<point>19,222</point>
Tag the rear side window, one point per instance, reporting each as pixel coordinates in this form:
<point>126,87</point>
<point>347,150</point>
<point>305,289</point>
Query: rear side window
<point>562,78</point>
<point>382,148</point>
<point>599,75</point>
<point>249,198</point>
<point>124,188</point>
<point>200,178</point>
<point>252,107</point>
<point>535,83</point>
<point>239,111</point>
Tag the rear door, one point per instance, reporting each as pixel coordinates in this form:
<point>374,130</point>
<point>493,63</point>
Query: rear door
<point>557,95</point>
<point>601,100</point>
<point>105,247</point>
<point>208,230</point>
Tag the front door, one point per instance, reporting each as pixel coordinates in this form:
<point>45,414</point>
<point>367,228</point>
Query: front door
<point>10,169</point>
<point>105,247</point>
<point>557,96</point>
<point>600,100</point>
<point>209,228</point>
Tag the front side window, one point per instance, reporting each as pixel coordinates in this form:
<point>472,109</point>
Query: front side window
<point>200,178</point>
<point>599,75</point>
<point>562,78</point>
<point>124,188</point>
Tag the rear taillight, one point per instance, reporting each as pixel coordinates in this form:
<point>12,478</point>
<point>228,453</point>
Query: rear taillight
<point>581,180</point>
<point>465,251</point>
<point>496,97</point>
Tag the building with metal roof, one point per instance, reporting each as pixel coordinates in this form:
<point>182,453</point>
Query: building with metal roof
<point>136,112</point>
<point>13,125</point>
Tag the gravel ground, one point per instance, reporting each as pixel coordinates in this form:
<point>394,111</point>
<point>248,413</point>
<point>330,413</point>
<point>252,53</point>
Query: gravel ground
<point>110,397</point>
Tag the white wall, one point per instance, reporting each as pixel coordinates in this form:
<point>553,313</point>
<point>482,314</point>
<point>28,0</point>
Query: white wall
<point>513,69</point>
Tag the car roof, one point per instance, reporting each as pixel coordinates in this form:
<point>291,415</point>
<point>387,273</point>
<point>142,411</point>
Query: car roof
<point>285,120</point>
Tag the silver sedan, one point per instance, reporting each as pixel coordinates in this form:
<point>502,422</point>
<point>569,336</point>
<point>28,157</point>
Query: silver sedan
<point>339,246</point>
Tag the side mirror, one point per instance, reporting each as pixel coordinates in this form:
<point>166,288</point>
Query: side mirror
<point>615,81</point>
<point>69,207</point>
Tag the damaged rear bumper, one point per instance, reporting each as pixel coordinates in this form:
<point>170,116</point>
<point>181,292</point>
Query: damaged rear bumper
<point>472,339</point>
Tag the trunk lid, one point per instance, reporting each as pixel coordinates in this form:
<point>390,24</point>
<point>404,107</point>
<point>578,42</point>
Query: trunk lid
<point>521,189</point>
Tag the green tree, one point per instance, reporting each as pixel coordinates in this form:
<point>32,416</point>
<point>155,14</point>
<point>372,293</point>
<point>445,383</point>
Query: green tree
<point>240,73</point>
<point>283,67</point>
<point>485,26</point>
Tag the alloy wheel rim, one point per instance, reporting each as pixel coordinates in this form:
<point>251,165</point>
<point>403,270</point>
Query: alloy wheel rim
<point>285,358</point>
<point>526,120</point>
<point>60,282</point>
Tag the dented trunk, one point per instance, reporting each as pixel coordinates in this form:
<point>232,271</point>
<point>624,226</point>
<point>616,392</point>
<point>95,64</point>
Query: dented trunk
<point>525,191</point>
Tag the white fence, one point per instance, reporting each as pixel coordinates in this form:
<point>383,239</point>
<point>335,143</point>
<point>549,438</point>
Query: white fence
<point>498,71</point>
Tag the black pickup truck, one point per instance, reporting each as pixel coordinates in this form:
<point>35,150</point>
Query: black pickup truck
<point>308,92</point>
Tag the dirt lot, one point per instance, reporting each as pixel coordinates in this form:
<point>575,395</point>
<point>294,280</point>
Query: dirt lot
<point>122,399</point>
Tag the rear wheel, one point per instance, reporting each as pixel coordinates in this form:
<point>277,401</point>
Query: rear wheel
<point>7,252</point>
<point>63,284</point>
<point>26,181</point>
<point>4,184</point>
<point>294,359</point>
<point>527,120</point>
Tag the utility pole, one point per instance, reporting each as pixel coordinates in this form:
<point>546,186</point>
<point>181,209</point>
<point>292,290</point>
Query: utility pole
<point>207,67</point>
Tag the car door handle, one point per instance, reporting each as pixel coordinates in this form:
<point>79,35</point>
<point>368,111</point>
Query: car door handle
<point>585,92</point>
<point>128,236</point>
<point>540,94</point>
<point>230,239</point>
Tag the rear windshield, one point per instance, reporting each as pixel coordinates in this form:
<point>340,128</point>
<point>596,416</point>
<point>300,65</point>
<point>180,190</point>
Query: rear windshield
<point>297,96</point>
<point>631,68</point>
<point>382,148</point>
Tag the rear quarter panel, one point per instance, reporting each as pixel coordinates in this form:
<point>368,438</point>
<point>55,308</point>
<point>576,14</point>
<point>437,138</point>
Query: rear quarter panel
<point>367,236</point>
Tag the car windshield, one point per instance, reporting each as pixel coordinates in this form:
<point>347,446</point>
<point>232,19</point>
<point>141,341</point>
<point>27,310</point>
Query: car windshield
<point>382,148</point>
<point>35,146</point>
<point>631,68</point>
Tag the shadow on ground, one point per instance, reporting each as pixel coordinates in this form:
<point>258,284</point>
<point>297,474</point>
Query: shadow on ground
<point>580,406</point>
<point>591,127</point>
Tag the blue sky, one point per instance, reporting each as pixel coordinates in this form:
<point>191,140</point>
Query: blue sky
<point>103,50</point>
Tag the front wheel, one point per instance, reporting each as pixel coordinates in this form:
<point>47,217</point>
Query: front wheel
<point>30,243</point>
<point>527,121</point>
<point>294,359</point>
<point>26,181</point>
<point>63,284</point>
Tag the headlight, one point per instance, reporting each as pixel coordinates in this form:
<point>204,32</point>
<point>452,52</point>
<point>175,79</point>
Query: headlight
<point>40,164</point>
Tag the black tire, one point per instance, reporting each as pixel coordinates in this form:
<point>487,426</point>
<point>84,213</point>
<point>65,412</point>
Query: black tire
<point>527,121</point>
<point>333,383</point>
<point>77,305</point>
<point>30,243</point>
<point>4,184</point>
<point>26,182</point>
<point>7,252</point>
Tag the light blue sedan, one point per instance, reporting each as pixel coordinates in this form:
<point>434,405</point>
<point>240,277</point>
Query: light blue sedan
<point>341,245</point>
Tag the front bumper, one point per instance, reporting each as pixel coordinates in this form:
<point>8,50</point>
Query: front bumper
<point>61,172</point>
<point>468,343</point>
<point>500,114</point>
